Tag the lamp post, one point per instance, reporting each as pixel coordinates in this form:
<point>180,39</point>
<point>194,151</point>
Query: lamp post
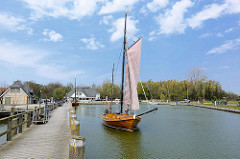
<point>40,99</point>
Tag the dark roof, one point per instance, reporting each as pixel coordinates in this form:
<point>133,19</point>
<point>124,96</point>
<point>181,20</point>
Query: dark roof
<point>88,91</point>
<point>24,86</point>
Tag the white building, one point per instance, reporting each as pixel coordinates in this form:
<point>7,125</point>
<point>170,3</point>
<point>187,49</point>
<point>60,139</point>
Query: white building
<point>84,93</point>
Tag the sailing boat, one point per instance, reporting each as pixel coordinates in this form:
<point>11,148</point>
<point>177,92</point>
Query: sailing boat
<point>75,103</point>
<point>125,121</point>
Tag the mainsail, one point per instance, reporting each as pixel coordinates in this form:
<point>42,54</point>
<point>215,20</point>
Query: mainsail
<point>132,73</point>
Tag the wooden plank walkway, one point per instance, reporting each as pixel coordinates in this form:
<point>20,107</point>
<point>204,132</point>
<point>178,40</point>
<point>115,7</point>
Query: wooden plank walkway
<point>49,140</point>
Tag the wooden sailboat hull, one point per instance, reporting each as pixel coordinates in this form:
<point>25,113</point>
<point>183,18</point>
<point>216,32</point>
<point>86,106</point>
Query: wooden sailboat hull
<point>121,121</point>
<point>74,104</point>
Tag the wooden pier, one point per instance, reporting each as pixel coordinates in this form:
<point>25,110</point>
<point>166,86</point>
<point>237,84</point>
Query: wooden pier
<point>49,140</point>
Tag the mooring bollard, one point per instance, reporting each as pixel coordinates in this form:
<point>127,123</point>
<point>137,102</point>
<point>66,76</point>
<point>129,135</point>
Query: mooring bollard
<point>72,111</point>
<point>75,127</point>
<point>72,117</point>
<point>77,147</point>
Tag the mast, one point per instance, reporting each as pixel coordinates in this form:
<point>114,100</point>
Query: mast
<point>75,90</point>
<point>123,63</point>
<point>112,82</point>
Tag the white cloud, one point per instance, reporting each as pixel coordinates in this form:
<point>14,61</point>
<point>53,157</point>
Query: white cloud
<point>24,57</point>
<point>233,6</point>
<point>106,19</point>
<point>13,23</point>
<point>152,36</point>
<point>19,55</point>
<point>172,21</point>
<point>52,36</point>
<point>219,35</point>
<point>205,35</point>
<point>229,30</point>
<point>72,9</point>
<point>143,11</point>
<point>118,28</point>
<point>116,6</point>
<point>214,11</point>
<point>155,5</point>
<point>228,45</point>
<point>92,44</point>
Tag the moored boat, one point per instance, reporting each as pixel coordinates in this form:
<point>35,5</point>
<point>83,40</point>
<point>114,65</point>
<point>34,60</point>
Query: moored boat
<point>121,121</point>
<point>129,95</point>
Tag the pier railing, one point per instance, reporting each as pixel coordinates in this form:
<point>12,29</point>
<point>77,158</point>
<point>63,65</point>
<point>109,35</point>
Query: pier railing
<point>15,122</point>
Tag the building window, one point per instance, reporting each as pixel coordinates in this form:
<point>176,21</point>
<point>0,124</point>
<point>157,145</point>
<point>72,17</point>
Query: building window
<point>17,90</point>
<point>12,90</point>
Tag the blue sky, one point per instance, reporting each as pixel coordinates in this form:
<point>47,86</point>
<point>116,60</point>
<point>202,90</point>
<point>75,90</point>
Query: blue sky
<point>55,41</point>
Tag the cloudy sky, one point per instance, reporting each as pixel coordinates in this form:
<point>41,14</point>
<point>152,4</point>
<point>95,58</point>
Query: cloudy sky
<point>49,41</point>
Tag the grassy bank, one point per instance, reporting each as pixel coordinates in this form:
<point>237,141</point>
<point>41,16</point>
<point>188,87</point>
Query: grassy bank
<point>230,104</point>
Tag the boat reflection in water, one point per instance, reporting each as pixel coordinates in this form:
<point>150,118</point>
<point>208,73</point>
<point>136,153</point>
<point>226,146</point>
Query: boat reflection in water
<point>127,144</point>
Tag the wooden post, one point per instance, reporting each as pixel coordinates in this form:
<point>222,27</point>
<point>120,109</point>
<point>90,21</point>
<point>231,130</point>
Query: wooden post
<point>14,124</point>
<point>29,120</point>
<point>20,124</point>
<point>25,119</point>
<point>35,114</point>
<point>75,127</point>
<point>9,131</point>
<point>77,147</point>
<point>12,111</point>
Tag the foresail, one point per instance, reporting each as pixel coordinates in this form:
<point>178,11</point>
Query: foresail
<point>132,73</point>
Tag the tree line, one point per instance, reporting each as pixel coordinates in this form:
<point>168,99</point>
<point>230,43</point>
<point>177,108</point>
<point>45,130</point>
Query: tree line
<point>55,90</point>
<point>173,90</point>
<point>195,87</point>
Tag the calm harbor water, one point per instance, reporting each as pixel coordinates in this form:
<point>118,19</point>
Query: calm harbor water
<point>170,132</point>
<point>3,127</point>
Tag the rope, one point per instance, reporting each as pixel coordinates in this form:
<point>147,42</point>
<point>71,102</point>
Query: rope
<point>145,94</point>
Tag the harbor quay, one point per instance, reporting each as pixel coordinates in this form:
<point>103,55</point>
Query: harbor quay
<point>50,140</point>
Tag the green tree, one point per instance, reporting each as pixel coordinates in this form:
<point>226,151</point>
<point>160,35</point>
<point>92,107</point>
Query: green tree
<point>59,92</point>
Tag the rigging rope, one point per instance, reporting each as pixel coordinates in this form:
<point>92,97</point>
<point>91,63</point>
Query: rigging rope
<point>144,93</point>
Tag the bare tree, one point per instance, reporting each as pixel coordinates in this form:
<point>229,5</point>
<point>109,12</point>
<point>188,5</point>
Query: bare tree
<point>196,75</point>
